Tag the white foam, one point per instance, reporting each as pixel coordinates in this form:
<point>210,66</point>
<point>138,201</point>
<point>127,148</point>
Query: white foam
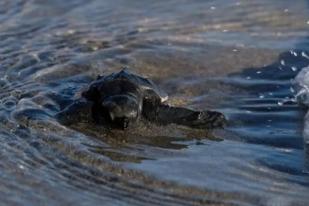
<point>302,80</point>
<point>302,96</point>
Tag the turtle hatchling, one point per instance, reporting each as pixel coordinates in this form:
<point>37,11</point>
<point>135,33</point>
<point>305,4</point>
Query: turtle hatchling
<point>120,99</point>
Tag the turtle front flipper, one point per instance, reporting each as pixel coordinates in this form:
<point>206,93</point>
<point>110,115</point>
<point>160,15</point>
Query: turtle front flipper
<point>164,114</point>
<point>78,112</point>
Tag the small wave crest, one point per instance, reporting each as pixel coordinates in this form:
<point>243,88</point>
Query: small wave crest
<point>302,81</point>
<point>302,96</point>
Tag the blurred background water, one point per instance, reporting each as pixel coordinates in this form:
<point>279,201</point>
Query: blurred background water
<point>239,57</point>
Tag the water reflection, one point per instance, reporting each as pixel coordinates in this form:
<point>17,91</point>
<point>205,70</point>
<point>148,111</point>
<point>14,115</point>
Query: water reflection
<point>268,113</point>
<point>270,103</point>
<point>133,144</point>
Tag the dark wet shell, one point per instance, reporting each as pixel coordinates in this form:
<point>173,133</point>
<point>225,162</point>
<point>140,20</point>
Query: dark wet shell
<point>149,89</point>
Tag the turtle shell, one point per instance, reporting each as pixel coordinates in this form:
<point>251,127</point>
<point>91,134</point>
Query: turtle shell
<point>147,87</point>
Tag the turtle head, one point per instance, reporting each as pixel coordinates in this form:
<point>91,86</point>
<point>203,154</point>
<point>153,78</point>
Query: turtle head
<point>122,109</point>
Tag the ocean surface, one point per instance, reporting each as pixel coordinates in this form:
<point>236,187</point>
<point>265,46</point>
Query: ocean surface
<point>239,57</point>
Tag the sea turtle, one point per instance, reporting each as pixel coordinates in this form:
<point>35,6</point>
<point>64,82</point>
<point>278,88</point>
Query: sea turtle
<point>119,99</point>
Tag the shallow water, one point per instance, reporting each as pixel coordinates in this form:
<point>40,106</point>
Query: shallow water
<point>238,57</point>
